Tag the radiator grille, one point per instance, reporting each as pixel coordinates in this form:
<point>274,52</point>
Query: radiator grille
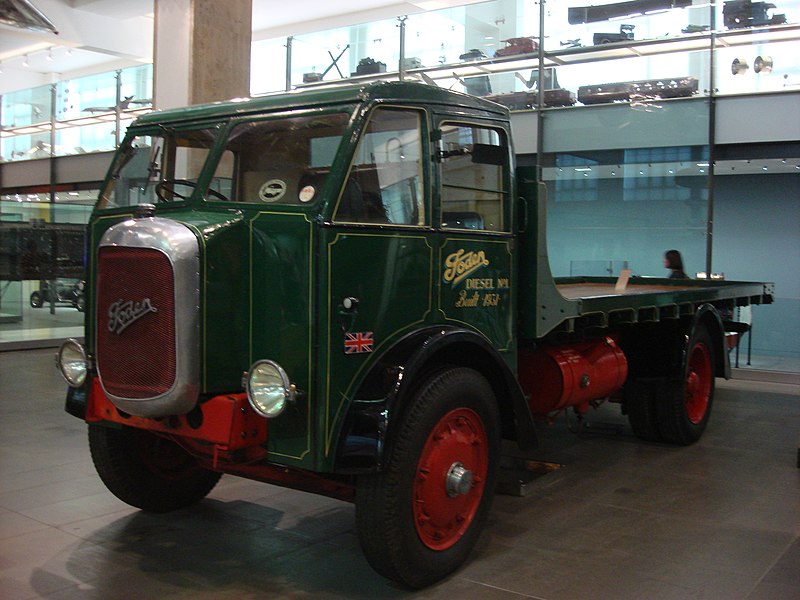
<point>136,354</point>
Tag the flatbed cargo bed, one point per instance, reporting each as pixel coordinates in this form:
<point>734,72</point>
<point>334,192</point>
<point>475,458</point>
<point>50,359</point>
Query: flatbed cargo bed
<point>595,302</point>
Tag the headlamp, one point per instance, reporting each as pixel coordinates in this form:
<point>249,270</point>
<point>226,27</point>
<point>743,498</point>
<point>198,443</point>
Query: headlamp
<point>268,388</point>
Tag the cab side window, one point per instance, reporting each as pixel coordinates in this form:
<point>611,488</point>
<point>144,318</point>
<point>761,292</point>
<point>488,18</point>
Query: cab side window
<point>474,161</point>
<point>385,182</point>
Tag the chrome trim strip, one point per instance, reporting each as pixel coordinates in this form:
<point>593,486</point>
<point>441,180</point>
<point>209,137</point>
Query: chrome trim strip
<point>179,244</point>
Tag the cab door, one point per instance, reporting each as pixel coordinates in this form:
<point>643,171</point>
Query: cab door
<point>377,257</point>
<point>475,243</point>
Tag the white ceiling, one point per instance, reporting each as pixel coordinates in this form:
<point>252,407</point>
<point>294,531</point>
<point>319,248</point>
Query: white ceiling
<point>103,35</point>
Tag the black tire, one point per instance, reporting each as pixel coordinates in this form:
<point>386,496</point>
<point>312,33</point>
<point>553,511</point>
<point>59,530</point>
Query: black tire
<point>640,406</point>
<point>148,471</point>
<point>399,512</point>
<point>683,403</point>
<point>36,300</point>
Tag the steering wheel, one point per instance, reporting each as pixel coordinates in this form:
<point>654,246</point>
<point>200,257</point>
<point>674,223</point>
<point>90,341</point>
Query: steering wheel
<point>165,190</point>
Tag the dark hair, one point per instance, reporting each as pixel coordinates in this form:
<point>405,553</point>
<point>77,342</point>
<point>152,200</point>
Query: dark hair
<point>674,260</point>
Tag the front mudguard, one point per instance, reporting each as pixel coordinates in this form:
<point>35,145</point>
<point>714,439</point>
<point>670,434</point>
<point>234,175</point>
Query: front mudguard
<point>77,399</point>
<point>396,375</point>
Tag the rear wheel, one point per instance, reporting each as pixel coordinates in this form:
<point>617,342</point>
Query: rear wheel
<point>640,406</point>
<point>684,404</point>
<point>419,518</point>
<point>148,471</point>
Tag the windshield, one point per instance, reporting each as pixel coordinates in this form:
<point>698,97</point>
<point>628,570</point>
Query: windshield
<point>279,161</point>
<point>282,160</point>
<point>157,168</point>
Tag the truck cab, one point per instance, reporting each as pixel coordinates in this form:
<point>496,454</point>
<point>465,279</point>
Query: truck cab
<point>317,232</point>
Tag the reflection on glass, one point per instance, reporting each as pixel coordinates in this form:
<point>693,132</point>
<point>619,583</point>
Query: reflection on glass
<point>27,107</point>
<point>88,138</point>
<point>136,87</point>
<point>384,184</point>
<point>473,177</point>
<point>627,205</point>
<point>24,147</point>
<point>86,96</point>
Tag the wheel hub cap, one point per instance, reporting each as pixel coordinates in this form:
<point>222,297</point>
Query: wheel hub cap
<point>698,383</point>
<point>458,481</point>
<point>450,478</point>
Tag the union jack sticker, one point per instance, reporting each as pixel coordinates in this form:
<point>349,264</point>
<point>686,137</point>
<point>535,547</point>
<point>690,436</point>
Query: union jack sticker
<point>358,343</point>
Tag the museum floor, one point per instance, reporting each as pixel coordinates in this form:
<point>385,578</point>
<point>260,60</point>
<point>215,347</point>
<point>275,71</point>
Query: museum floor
<point>620,519</point>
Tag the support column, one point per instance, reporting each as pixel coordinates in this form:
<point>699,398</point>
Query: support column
<point>201,51</point>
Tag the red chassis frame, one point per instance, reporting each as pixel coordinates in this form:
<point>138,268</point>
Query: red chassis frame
<point>227,436</point>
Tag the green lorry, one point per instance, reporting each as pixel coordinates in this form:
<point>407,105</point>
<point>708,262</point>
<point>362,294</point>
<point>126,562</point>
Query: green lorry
<point>346,291</point>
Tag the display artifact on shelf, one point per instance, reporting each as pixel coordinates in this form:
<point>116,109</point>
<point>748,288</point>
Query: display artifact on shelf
<point>369,66</point>
<point>739,14</point>
<point>314,77</point>
<point>625,34</point>
<point>553,95</point>
<point>763,64</point>
<point>519,45</point>
<point>739,66</point>
<point>328,319</point>
<point>412,62</point>
<point>668,87</point>
<point>618,10</point>
<point>696,28</point>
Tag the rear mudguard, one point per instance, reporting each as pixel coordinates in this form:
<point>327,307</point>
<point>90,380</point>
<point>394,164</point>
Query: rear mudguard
<point>709,316</point>
<point>386,390</point>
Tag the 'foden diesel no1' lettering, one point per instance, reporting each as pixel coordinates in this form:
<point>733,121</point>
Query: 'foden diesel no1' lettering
<point>348,264</point>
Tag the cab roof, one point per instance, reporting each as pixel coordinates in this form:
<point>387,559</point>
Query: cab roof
<point>395,91</point>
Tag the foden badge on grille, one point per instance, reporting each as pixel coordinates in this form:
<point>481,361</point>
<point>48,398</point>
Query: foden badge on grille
<point>122,314</point>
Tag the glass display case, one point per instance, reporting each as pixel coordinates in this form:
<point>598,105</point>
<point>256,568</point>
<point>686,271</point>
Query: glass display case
<point>592,52</point>
<point>75,116</point>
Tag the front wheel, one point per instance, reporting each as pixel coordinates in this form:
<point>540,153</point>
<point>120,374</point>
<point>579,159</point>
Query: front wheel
<point>146,470</point>
<point>421,516</point>
<point>684,404</point>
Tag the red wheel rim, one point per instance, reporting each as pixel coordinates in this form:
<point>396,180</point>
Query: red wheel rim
<point>698,382</point>
<point>445,500</point>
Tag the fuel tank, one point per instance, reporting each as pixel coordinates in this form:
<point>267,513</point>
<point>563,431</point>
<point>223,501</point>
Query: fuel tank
<point>557,377</point>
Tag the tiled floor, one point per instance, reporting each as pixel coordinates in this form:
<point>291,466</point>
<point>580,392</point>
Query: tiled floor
<point>621,519</point>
